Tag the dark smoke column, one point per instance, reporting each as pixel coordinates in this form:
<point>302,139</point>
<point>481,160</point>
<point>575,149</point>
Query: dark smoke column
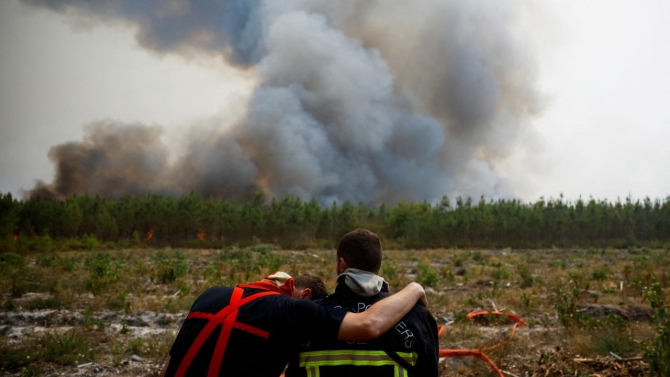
<point>363,101</point>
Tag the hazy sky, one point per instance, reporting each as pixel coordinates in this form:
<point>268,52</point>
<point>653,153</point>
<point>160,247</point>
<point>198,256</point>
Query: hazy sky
<point>607,123</point>
<point>603,69</point>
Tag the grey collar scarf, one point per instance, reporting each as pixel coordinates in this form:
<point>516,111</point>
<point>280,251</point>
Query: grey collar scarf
<point>363,283</point>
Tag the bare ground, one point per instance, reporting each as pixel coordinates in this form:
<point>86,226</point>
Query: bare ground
<point>129,315</point>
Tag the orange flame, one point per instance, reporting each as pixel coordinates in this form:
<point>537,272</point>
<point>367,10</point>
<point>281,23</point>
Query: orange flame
<point>276,240</point>
<point>149,235</point>
<point>201,235</point>
<point>16,237</point>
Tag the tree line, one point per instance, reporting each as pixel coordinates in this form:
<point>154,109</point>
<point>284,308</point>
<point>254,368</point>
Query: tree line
<point>195,221</point>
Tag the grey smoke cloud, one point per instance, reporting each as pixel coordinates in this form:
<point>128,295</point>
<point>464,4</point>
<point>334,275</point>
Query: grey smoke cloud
<point>111,161</point>
<point>372,101</point>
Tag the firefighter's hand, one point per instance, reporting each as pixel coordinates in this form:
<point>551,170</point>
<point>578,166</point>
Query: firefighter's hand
<point>423,300</point>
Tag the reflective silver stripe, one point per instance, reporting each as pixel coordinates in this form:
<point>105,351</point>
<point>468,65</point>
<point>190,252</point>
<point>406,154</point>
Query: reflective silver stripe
<point>313,372</point>
<point>312,360</point>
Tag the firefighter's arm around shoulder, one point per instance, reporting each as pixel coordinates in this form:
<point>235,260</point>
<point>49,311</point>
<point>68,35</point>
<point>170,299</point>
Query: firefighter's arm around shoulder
<point>383,315</point>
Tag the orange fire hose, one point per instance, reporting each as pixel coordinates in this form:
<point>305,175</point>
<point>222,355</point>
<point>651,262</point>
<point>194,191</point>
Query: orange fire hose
<point>480,352</point>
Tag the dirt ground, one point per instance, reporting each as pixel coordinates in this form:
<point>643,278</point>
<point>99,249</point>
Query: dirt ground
<point>117,312</point>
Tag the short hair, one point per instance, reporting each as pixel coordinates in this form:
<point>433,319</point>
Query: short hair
<point>361,249</point>
<point>315,284</point>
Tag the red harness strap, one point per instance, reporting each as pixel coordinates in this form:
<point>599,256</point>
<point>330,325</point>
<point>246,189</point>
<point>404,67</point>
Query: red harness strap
<point>227,318</point>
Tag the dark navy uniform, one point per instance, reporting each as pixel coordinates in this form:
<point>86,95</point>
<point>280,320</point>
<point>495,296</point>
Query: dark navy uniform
<point>410,348</point>
<point>255,339</point>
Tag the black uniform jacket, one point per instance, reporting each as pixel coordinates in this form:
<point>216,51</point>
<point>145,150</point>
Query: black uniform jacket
<point>410,348</point>
<point>262,336</point>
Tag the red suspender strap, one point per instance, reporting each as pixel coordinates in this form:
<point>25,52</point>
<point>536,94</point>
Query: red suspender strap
<point>226,317</point>
<point>237,325</point>
<point>227,328</point>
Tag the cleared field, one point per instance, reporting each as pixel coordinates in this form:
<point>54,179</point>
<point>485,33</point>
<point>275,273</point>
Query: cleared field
<point>117,312</point>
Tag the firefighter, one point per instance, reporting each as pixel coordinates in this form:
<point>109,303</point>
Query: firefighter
<point>252,329</point>
<point>309,287</point>
<point>410,348</point>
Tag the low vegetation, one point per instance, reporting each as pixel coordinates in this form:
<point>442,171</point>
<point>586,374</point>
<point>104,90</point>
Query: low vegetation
<point>589,310</point>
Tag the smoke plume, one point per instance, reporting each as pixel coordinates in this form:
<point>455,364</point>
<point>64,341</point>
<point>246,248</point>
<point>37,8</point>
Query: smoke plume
<point>372,101</point>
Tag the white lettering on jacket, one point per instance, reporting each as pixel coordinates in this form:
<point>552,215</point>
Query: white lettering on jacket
<point>406,333</point>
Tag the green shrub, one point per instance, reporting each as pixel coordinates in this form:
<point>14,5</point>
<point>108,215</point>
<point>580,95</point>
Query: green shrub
<point>13,357</point>
<point>393,273</point>
<point>526,276</point>
<point>448,274</point>
<point>136,240</point>
<point>427,276</point>
<point>528,302</point>
<point>99,264</point>
<point>264,248</point>
<point>272,261</point>
<point>170,266</point>
<point>458,260</point>
<point>123,243</point>
<point>9,305</point>
<point>10,261</point>
<point>155,347</point>
<point>500,274</point>
<point>565,299</point>
<point>44,244</point>
<point>13,267</point>
<point>44,303</point>
<point>68,264</point>
<point>243,262</point>
<point>657,351</point>
<point>103,271</point>
<point>90,321</point>
<point>600,274</point>
<point>90,242</point>
<point>612,339</point>
<point>119,302</point>
<point>476,256</point>
<point>72,244</point>
<point>69,348</point>
<point>48,260</point>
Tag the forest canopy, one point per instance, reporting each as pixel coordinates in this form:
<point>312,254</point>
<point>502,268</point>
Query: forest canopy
<point>85,222</point>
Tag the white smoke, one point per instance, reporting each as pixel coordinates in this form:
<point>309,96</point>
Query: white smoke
<point>372,101</point>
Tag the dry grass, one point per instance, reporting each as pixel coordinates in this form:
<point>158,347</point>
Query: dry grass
<point>118,303</point>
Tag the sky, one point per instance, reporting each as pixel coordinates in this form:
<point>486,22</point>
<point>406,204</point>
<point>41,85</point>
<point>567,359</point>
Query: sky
<point>602,71</point>
<point>607,123</point>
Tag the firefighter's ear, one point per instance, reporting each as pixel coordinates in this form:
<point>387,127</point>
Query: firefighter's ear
<point>306,294</point>
<point>341,265</point>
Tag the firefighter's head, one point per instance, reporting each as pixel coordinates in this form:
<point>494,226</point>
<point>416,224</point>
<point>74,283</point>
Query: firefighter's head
<point>359,249</point>
<point>309,287</point>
